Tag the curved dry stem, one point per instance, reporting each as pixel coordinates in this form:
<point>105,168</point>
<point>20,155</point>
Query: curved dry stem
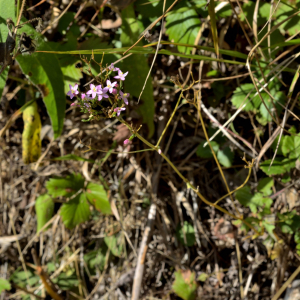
<point>198,107</point>
<point>242,185</point>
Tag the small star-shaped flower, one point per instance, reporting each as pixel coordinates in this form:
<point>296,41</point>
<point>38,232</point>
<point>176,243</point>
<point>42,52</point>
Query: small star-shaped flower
<point>110,85</point>
<point>102,93</point>
<point>73,91</point>
<point>121,75</point>
<point>124,97</point>
<point>93,90</point>
<point>118,110</point>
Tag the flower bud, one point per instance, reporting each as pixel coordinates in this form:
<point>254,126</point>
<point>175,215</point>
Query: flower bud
<point>126,142</point>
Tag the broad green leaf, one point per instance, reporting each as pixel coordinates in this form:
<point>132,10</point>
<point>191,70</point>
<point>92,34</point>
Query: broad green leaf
<point>225,157</point>
<point>44,208</point>
<point>265,186</point>
<point>283,11</point>
<point>291,146</point>
<point>115,244</point>
<point>31,136</point>
<point>240,95</point>
<point>279,166</point>
<point>44,71</point>
<point>254,202</point>
<point>97,196</point>
<point>67,186</point>
<point>248,12</point>
<point>75,211</point>
<point>137,68</point>
<point>4,285</point>
<point>185,285</point>
<point>73,157</point>
<point>186,234</point>
<point>183,27</point>
<point>205,152</point>
<point>263,112</point>
<point>7,9</point>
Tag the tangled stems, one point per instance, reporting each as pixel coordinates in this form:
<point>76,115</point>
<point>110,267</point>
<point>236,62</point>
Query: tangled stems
<point>190,185</point>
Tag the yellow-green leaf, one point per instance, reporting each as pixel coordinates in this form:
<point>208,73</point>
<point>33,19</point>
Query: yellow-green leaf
<point>31,137</point>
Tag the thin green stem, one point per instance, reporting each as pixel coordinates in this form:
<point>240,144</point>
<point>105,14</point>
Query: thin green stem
<point>173,113</point>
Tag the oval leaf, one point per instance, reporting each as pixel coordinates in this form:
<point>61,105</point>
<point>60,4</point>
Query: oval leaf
<point>97,196</point>
<point>44,208</point>
<point>75,212</point>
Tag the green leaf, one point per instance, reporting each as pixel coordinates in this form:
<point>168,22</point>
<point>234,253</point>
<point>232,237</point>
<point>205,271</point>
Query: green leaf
<point>240,94</point>
<point>254,202</point>
<point>96,259</point>
<point>20,278</point>
<point>205,152</point>
<point>44,208</point>
<point>44,71</point>
<point>202,277</point>
<point>66,281</point>
<point>279,166</point>
<point>75,211</point>
<point>248,12</point>
<point>289,222</point>
<point>225,157</point>
<point>291,146</point>
<point>187,230</point>
<point>282,12</point>
<point>115,244</point>
<point>97,196</point>
<point>185,285</point>
<point>7,9</point>
<point>183,27</point>
<point>67,186</point>
<point>264,186</point>
<point>4,285</point>
<point>73,157</point>
<point>263,112</point>
<point>138,69</point>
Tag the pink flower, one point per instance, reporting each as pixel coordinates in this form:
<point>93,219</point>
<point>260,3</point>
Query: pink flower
<point>111,67</point>
<point>118,110</point>
<point>83,95</point>
<point>110,86</point>
<point>102,93</point>
<point>73,91</point>
<point>93,90</point>
<point>124,97</point>
<point>121,75</point>
<point>126,141</point>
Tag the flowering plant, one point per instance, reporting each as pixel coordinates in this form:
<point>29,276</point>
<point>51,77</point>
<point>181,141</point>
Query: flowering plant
<point>91,101</point>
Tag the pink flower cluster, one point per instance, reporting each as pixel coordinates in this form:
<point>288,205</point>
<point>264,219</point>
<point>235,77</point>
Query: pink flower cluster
<point>112,91</point>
